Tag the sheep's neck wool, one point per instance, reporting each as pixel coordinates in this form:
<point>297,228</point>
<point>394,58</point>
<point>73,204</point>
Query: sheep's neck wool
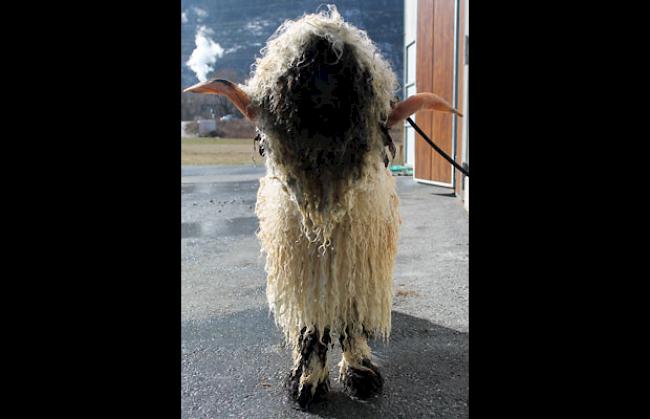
<point>327,206</point>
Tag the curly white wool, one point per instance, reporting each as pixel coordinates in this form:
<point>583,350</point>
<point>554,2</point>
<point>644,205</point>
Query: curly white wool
<point>342,277</point>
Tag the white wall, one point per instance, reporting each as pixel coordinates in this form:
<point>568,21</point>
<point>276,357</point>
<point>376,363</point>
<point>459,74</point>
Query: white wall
<point>410,20</point>
<point>465,93</point>
<point>466,109</point>
<point>410,34</point>
<point>206,126</point>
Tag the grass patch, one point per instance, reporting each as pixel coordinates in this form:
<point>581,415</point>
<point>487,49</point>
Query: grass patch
<point>216,141</point>
<point>206,151</point>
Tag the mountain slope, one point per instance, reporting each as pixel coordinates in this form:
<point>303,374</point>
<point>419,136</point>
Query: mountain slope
<point>241,28</point>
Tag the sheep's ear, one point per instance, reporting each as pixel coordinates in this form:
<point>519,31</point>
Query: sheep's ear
<point>416,103</point>
<point>229,90</point>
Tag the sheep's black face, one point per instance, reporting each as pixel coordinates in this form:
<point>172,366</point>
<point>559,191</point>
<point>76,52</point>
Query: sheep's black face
<point>321,116</point>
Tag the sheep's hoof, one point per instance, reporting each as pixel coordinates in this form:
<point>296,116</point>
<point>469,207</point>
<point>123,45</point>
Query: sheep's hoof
<point>362,383</point>
<point>305,396</point>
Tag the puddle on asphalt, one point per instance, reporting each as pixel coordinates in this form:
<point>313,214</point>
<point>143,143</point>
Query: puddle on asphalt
<point>239,226</point>
<point>225,188</point>
<point>187,188</point>
<point>190,230</point>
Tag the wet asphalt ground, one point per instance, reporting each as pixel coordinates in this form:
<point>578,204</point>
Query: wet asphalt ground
<point>233,363</point>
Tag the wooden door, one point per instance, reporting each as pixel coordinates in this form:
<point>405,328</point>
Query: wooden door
<point>436,55</point>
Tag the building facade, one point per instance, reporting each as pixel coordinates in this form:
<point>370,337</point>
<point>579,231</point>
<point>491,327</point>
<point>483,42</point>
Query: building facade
<point>436,41</point>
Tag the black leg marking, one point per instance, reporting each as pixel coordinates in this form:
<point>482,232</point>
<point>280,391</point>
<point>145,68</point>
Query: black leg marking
<point>362,383</point>
<point>310,346</point>
<point>358,382</point>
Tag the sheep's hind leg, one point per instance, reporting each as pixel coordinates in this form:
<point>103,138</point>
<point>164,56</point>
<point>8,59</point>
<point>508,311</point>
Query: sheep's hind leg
<point>359,376</point>
<point>309,379</point>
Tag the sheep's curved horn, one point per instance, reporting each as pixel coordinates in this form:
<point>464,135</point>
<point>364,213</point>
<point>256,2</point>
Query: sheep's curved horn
<point>229,90</point>
<point>416,103</point>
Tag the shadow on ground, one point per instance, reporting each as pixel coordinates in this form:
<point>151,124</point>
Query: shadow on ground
<point>235,366</point>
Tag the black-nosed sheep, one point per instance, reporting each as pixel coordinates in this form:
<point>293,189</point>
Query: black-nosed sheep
<point>322,96</point>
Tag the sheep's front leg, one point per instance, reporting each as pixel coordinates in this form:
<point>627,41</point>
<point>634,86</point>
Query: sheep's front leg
<point>309,379</point>
<point>360,377</point>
